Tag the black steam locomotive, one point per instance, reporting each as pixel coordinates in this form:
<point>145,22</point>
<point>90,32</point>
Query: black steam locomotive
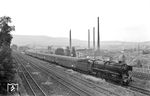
<point>117,71</point>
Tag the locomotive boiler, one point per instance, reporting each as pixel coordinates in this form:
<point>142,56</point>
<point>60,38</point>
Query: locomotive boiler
<point>110,70</point>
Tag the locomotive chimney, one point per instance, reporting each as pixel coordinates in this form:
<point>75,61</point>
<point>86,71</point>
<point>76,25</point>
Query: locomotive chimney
<point>98,38</point>
<point>88,39</point>
<point>94,38</point>
<point>70,40</point>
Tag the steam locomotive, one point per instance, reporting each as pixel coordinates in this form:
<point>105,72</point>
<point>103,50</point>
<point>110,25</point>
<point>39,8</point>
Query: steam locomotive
<point>108,70</point>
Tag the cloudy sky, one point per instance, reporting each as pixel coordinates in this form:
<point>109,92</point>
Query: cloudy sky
<point>123,20</point>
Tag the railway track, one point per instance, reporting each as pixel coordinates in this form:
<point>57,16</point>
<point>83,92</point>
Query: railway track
<point>73,88</point>
<point>92,85</point>
<point>136,88</point>
<point>34,89</point>
<point>131,87</point>
<point>141,90</point>
<point>79,91</point>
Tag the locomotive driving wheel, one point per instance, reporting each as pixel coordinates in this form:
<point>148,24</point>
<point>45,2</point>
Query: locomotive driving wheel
<point>124,80</point>
<point>100,74</point>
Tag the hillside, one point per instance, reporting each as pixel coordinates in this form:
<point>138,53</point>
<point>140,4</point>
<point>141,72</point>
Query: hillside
<point>44,41</point>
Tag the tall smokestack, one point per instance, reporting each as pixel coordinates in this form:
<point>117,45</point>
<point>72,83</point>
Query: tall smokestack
<point>138,48</point>
<point>70,42</point>
<point>98,38</point>
<point>93,37</point>
<point>88,39</point>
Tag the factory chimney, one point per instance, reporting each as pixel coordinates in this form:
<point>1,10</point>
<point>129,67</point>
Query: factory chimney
<point>94,38</point>
<point>70,42</point>
<point>98,38</point>
<point>88,39</point>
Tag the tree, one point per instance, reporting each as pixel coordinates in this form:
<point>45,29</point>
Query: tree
<point>49,48</point>
<point>145,51</point>
<point>5,29</point>
<point>6,64</point>
<point>67,51</point>
<point>59,51</point>
<point>73,52</point>
<point>14,47</point>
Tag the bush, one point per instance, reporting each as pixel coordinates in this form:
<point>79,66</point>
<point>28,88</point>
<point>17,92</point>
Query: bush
<point>145,52</point>
<point>59,51</point>
<point>14,47</point>
<point>67,51</point>
<point>73,52</point>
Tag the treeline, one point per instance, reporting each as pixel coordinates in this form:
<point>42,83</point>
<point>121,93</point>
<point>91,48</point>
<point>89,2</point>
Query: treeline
<point>58,51</point>
<point>66,52</point>
<point>6,64</point>
<point>19,48</point>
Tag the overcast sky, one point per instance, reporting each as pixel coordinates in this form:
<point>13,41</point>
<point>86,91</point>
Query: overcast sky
<point>125,20</point>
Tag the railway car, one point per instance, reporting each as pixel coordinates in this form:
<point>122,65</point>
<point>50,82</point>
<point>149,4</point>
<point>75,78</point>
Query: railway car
<point>50,58</point>
<point>40,56</point>
<point>66,61</point>
<point>84,65</point>
<point>117,71</point>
